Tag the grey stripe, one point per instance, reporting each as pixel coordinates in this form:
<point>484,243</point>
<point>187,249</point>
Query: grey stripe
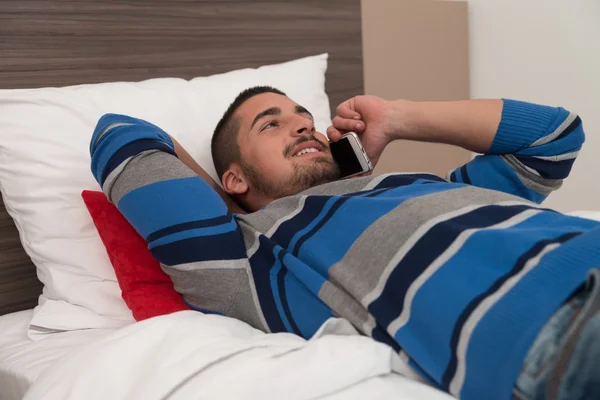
<point>450,251</point>
<point>341,187</point>
<point>224,286</point>
<point>560,157</point>
<point>548,138</point>
<point>419,233</point>
<point>479,312</point>
<point>343,304</point>
<point>147,167</point>
<point>111,126</point>
<point>376,181</point>
<point>216,264</point>
<point>112,177</point>
<point>268,220</point>
<point>363,264</point>
<point>532,181</point>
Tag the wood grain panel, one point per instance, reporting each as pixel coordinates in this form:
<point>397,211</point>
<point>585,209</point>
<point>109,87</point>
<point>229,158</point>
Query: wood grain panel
<point>19,286</point>
<point>57,43</point>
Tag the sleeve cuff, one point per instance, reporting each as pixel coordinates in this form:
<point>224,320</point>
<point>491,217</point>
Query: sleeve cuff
<point>522,124</point>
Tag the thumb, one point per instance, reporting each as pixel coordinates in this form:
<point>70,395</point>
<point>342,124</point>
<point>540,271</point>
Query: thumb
<point>347,110</point>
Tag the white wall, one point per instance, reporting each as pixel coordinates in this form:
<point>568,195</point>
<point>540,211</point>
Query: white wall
<point>544,51</point>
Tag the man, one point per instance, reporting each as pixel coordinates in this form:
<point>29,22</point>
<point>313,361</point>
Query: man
<point>460,275</point>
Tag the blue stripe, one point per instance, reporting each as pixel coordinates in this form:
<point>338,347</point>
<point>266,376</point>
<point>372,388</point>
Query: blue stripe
<point>302,285</point>
<point>133,149</point>
<point>492,172</point>
<point>226,246</point>
<point>483,259</point>
<point>548,169</point>
<point>322,221</point>
<point>281,290</point>
<point>394,181</point>
<point>465,175</point>
<point>190,233</point>
<point>275,275</point>
<point>533,252</point>
<point>261,263</point>
<point>120,136</point>
<point>414,365</point>
<point>379,334</point>
<point>202,310</point>
<point>502,338</point>
<point>459,178</point>
<point>313,207</point>
<point>189,225</point>
<point>574,125</point>
<point>390,303</point>
<point>566,144</point>
<point>172,202</point>
<point>331,241</point>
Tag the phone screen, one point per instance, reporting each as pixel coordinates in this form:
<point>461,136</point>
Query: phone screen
<point>344,156</point>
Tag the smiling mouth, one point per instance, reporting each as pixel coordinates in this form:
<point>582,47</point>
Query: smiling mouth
<point>307,151</point>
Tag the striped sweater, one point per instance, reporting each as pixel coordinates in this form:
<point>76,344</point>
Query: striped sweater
<point>458,275</point>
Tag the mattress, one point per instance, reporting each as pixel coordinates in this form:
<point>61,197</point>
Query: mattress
<point>23,360</point>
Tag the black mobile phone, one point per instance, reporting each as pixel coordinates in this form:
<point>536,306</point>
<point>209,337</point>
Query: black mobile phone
<point>350,156</point>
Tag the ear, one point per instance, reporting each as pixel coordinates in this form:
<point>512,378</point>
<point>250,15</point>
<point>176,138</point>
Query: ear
<point>234,181</point>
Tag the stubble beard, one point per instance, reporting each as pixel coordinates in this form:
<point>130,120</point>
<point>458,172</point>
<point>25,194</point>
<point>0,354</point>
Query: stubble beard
<point>323,170</point>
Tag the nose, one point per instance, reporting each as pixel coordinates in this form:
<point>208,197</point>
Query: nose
<point>304,128</point>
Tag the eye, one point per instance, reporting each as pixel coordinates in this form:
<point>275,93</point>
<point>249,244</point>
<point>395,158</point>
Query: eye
<point>269,125</point>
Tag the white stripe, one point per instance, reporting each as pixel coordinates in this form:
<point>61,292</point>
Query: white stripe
<point>280,221</point>
<point>376,181</point>
<point>450,251</point>
<point>561,128</point>
<point>477,314</point>
<point>560,157</point>
<point>419,233</point>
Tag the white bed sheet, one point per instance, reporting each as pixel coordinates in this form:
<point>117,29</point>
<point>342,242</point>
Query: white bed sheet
<point>22,360</point>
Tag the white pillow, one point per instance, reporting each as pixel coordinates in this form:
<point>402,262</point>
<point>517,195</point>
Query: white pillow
<point>45,164</point>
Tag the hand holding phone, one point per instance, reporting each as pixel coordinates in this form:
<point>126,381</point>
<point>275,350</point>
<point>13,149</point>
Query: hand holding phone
<point>350,156</point>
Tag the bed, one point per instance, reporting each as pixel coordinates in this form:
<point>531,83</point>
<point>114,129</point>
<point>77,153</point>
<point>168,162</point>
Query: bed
<point>72,42</point>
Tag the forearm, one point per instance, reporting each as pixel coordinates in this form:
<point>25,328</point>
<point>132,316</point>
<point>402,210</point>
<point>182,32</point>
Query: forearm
<point>471,124</point>
<point>187,159</point>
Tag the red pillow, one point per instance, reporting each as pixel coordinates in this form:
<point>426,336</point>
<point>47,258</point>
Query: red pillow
<point>146,288</point>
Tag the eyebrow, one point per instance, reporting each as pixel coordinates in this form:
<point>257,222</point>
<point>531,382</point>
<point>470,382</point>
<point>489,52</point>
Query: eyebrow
<point>268,111</point>
<point>302,110</point>
<point>277,111</point>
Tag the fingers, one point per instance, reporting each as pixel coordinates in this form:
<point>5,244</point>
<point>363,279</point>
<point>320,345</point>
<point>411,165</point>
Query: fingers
<point>346,110</point>
<point>344,124</point>
<point>333,134</point>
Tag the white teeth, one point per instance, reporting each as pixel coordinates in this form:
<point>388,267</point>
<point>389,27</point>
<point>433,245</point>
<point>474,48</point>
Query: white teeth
<point>304,151</point>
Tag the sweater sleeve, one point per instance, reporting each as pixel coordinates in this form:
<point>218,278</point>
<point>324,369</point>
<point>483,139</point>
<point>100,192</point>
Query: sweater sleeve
<point>533,152</point>
<point>183,220</point>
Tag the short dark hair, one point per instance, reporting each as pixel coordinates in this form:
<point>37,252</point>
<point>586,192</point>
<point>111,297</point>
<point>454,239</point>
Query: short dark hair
<point>224,144</point>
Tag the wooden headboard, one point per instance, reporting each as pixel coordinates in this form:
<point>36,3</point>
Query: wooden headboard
<point>67,42</point>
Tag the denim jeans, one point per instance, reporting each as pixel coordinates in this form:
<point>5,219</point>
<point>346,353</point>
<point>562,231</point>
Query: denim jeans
<point>564,361</point>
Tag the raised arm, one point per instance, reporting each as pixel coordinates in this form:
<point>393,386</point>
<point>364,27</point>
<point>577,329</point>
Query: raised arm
<point>187,159</point>
<point>529,148</point>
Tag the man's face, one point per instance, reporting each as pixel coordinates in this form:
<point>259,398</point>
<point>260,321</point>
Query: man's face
<point>281,152</point>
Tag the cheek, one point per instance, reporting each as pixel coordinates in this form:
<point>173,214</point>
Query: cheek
<point>268,159</point>
<point>322,138</point>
